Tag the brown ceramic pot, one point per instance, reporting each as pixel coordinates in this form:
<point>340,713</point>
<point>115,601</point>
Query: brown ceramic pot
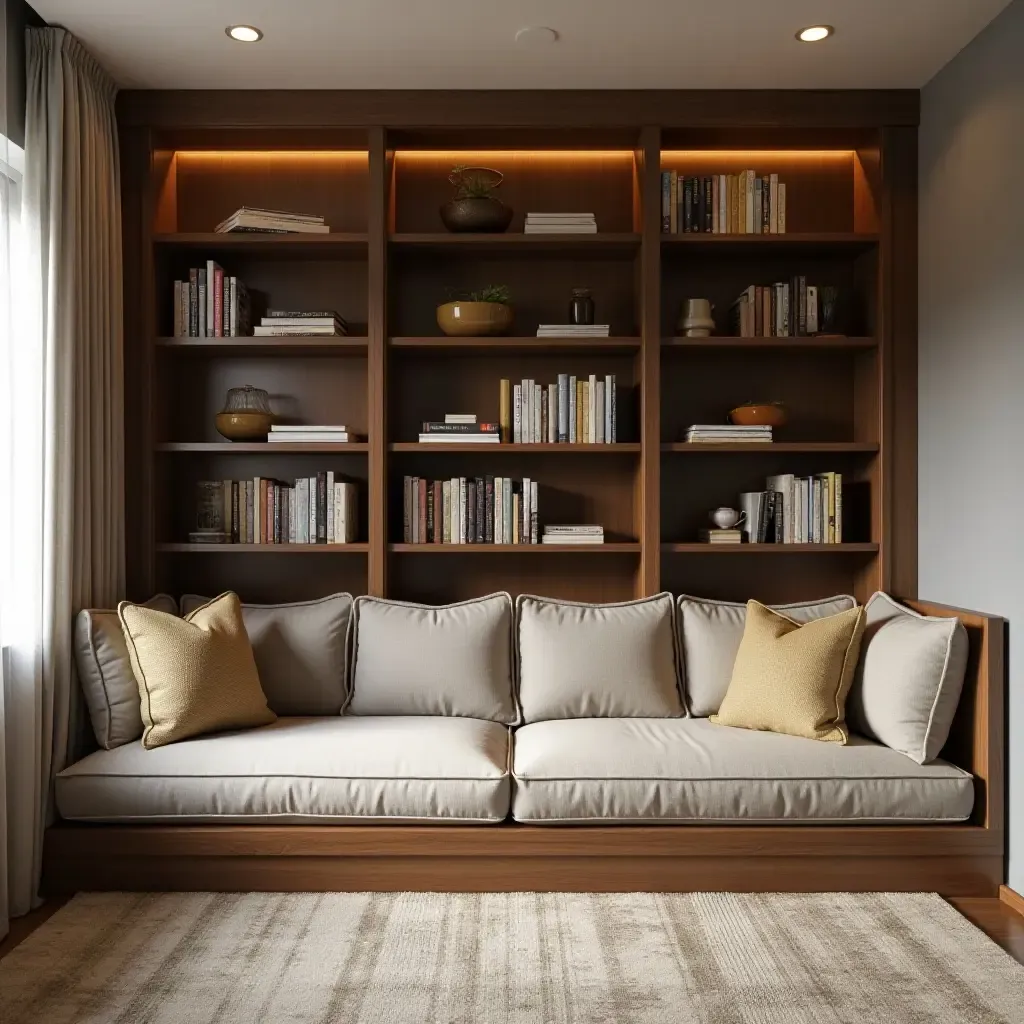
<point>767,414</point>
<point>473,319</point>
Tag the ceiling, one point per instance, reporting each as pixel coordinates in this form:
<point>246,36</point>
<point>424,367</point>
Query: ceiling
<point>470,44</point>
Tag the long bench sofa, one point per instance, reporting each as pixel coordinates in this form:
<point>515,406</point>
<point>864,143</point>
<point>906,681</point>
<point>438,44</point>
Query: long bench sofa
<point>403,729</point>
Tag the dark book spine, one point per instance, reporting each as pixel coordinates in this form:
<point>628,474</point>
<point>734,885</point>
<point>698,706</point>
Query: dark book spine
<point>437,536</point>
<point>430,515</point>
<point>460,428</point>
<point>762,525</point>
<point>234,512</point>
<point>406,509</point>
<point>666,202</point>
<point>709,205</point>
<point>698,205</point>
<point>489,510</point>
<point>688,205</point>
<point>421,509</point>
<point>193,303</point>
<point>321,507</point>
<point>481,499</point>
<point>779,515</point>
<point>471,511</point>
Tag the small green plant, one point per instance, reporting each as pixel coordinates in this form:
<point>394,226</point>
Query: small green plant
<point>492,293</point>
<point>474,182</point>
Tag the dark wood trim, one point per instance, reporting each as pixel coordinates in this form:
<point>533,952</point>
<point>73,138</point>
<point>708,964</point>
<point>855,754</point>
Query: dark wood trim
<point>952,860</point>
<point>812,108</point>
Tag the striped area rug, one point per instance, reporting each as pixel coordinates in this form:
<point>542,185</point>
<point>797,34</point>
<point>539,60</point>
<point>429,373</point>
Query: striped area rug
<point>522,958</point>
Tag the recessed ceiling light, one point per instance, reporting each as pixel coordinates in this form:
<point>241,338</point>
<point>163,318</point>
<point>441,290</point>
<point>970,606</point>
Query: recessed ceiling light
<point>814,33</point>
<point>244,33</point>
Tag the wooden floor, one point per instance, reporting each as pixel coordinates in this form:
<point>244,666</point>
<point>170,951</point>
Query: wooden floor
<point>999,922</point>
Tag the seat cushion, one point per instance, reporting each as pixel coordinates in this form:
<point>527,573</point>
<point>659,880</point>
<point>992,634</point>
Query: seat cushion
<point>420,659</point>
<point>581,660</point>
<point>690,770</point>
<point>333,769</point>
<point>301,651</point>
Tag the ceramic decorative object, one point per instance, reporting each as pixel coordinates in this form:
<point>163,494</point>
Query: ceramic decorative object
<point>695,319</point>
<point>246,415</point>
<point>475,208</point>
<point>581,308</point>
<point>473,319</point>
<point>727,518</point>
<point>759,414</point>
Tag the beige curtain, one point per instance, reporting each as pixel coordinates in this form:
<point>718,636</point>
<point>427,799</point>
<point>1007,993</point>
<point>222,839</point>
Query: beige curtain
<point>72,397</point>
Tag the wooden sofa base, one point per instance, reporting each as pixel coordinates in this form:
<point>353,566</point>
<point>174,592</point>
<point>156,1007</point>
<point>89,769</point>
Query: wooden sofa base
<point>956,860</point>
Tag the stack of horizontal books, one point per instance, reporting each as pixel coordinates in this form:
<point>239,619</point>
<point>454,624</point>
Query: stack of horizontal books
<point>298,323</point>
<point>460,428</point>
<point>733,536</point>
<point>727,433</point>
<point>573,534</point>
<point>289,434</point>
<point>560,224</point>
<point>573,330</point>
<point>275,222</point>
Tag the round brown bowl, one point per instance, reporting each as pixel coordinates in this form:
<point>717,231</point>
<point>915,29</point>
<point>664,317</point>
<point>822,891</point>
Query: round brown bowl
<point>474,319</point>
<point>244,426</point>
<point>769,414</point>
<point>476,214</point>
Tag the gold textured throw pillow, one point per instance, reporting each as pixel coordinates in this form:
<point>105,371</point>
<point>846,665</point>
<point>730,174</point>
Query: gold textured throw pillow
<point>195,674</point>
<point>793,677</point>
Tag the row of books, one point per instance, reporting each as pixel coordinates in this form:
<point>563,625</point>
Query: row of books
<point>727,433</point>
<point>294,323</point>
<point>795,510</point>
<point>276,222</point>
<point>723,204</point>
<point>469,510</point>
<point>781,310</point>
<point>560,224</point>
<point>574,410</point>
<point>320,509</point>
<point>210,304</point>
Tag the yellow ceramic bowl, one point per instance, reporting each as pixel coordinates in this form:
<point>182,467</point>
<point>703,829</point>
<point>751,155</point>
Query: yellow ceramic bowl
<point>244,426</point>
<point>474,319</point>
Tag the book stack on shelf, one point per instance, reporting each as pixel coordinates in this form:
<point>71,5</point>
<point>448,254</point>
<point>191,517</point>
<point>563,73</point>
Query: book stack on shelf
<point>573,534</point>
<point>469,510</point>
<point>573,410</point>
<point>210,304</point>
<point>716,536</point>
<point>723,204</point>
<point>275,222</point>
<point>727,433</point>
<point>459,428</point>
<point>320,509</point>
<point>560,224</point>
<point>309,434</point>
<point>781,310</point>
<point>796,510</point>
<point>297,323</point>
<point>573,330</point>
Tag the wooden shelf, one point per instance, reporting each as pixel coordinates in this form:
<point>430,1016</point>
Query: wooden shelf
<point>264,549</point>
<point>799,344</point>
<point>610,548</point>
<point>516,242</point>
<point>770,549</point>
<point>776,447</point>
<point>580,346</point>
<point>850,240</point>
<point>261,447</point>
<point>301,346</point>
<point>534,449</point>
<point>343,242</point>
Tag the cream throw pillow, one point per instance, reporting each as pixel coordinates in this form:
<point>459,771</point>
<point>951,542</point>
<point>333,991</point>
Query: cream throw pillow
<point>793,678</point>
<point>195,674</point>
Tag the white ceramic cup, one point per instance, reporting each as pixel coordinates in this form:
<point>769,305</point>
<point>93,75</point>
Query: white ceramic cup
<point>727,518</point>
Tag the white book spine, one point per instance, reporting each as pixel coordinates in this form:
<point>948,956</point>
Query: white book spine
<point>563,408</point>
<point>749,201</point>
<point>498,512</point>
<point>507,510</point>
<point>782,208</point>
<point>210,266</point>
<point>517,414</point>
<point>534,512</point>
<point>538,420</point>
<point>446,511</point>
<point>552,414</point>
<point>524,505</point>
<point>591,417</point>
<point>527,415</point>
<point>336,518</point>
<point>812,309</point>
<point>609,435</point>
<point>572,410</point>
<point>330,506</point>
<point>291,515</point>
<point>463,512</point>
<point>599,413</point>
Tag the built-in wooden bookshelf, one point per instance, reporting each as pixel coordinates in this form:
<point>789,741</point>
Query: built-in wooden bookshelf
<point>379,177</point>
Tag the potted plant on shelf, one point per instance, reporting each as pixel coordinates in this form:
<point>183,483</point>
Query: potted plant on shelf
<point>482,312</point>
<point>475,206</point>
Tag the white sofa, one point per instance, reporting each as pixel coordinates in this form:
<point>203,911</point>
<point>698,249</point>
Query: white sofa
<point>548,712</point>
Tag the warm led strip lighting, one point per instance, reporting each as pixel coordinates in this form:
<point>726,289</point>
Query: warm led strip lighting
<point>758,154</point>
<point>462,155</point>
<point>273,154</point>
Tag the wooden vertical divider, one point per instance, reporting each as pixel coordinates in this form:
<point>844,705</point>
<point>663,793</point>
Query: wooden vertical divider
<point>648,158</point>
<point>376,372</point>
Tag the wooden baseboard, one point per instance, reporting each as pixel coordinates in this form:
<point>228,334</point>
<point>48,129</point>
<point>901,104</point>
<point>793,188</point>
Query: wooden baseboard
<point>1012,899</point>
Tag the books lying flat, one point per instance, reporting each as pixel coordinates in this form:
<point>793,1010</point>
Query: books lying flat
<point>297,331</point>
<point>311,437</point>
<point>720,433</point>
<point>460,417</point>
<point>721,536</point>
<point>254,218</point>
<point>459,429</point>
<point>302,321</point>
<point>574,529</point>
<point>560,223</point>
<point>573,330</point>
<point>439,438</point>
<point>577,539</point>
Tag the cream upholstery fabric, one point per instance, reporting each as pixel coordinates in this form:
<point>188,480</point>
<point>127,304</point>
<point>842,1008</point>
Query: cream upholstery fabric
<point>909,677</point>
<point>671,770</point>
<point>710,633</point>
<point>301,651</point>
<point>418,659</point>
<point>331,769</point>
<point>793,678</point>
<point>196,674</point>
<point>597,660</point>
<point>105,673</point>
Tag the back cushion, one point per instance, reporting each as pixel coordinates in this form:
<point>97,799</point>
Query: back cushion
<point>301,651</point>
<point>105,672</point>
<point>418,659</point>
<point>597,660</point>
<point>710,635</point>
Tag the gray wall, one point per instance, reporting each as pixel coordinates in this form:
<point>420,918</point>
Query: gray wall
<point>971,355</point>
